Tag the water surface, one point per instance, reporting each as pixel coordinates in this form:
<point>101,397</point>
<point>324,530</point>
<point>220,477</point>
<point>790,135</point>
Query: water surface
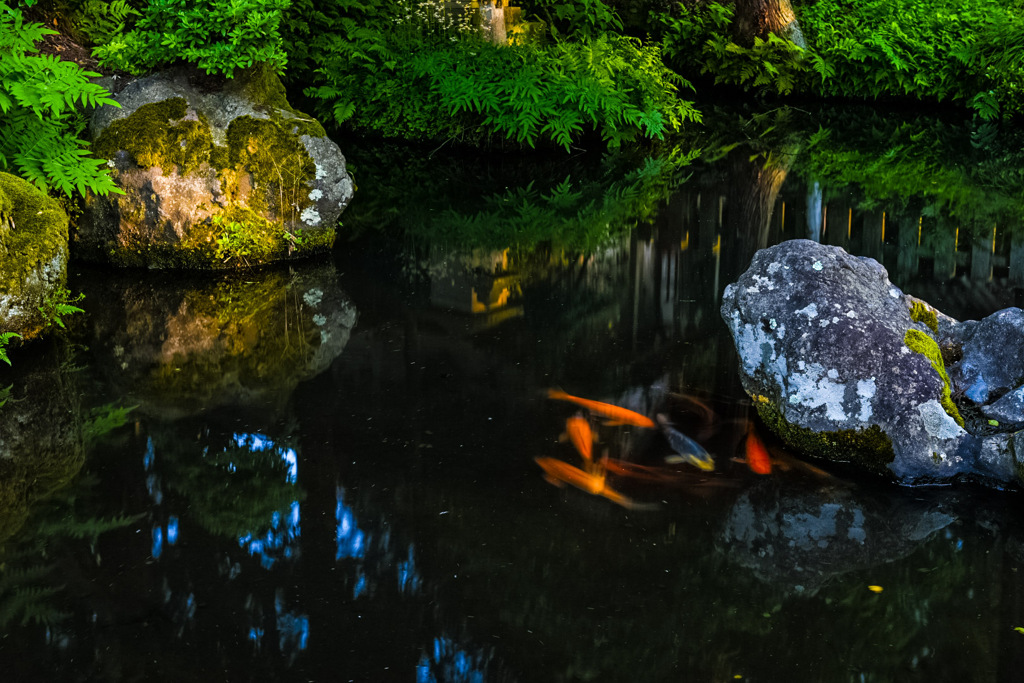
<point>325,471</point>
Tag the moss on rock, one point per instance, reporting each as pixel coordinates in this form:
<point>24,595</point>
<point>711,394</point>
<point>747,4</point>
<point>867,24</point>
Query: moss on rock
<point>870,448</point>
<point>282,171</point>
<point>159,134</point>
<point>35,253</point>
<point>919,342</point>
<point>923,313</point>
<point>264,86</point>
<point>209,177</point>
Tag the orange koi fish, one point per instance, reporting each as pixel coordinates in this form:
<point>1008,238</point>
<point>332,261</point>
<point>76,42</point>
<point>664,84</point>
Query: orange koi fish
<point>560,473</point>
<point>617,415</point>
<point>758,459</point>
<point>578,431</point>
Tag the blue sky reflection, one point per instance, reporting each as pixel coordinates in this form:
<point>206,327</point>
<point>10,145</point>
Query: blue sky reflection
<point>281,540</point>
<point>450,662</point>
<point>349,538</point>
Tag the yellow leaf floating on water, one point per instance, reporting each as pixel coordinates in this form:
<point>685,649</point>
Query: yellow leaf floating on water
<point>875,589</point>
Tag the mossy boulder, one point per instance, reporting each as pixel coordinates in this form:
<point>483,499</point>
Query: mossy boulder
<point>843,365</point>
<point>213,178</point>
<point>33,254</point>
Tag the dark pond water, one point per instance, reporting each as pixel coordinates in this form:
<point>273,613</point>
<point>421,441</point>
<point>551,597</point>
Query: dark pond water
<point>325,472</point>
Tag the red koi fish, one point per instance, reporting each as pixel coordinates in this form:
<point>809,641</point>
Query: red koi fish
<point>616,414</point>
<point>578,431</point>
<point>758,459</point>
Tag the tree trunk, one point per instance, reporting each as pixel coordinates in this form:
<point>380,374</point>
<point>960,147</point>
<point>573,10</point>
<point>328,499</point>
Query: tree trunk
<point>758,18</point>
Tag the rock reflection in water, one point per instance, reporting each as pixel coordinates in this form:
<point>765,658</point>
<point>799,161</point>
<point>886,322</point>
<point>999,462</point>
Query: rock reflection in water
<point>41,433</point>
<point>183,347</point>
<point>798,538</point>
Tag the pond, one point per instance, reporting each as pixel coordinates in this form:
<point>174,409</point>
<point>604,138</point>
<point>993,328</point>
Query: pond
<point>326,471</point>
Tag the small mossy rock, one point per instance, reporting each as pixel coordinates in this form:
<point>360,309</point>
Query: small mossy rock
<point>33,254</point>
<point>212,179</point>
<point>839,369</point>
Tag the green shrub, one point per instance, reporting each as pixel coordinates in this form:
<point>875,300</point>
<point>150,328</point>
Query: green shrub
<point>40,121</point>
<point>102,21</point>
<point>218,36</point>
<point>474,91</point>
<point>967,51</point>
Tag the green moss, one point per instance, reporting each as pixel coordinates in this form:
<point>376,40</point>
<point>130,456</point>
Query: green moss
<point>37,231</point>
<point>919,342</point>
<point>6,220</point>
<point>219,156</point>
<point>316,242</point>
<point>923,313</point>
<point>6,206</point>
<point>281,167</point>
<point>157,134</point>
<point>265,87</point>
<point>870,448</point>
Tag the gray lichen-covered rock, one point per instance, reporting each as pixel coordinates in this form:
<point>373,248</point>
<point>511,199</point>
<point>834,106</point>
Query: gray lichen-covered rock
<point>218,178</point>
<point>845,366</point>
<point>1008,410</point>
<point>33,255</point>
<point>993,357</point>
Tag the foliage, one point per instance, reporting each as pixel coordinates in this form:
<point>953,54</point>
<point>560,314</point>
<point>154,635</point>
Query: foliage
<point>698,38</point>
<point>471,90</point>
<point>103,420</point>
<point>575,206</point>
<point>252,240</point>
<point>59,303</point>
<point>967,51</point>
<point>218,36</point>
<point>5,339</point>
<point>583,19</point>
<point>973,171</point>
<point>971,51</point>
<point>102,21</point>
<point>39,121</point>
<point>451,84</point>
